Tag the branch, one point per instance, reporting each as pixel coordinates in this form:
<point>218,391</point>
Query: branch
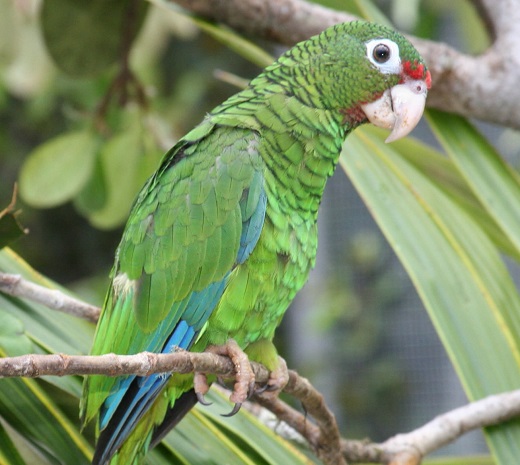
<point>410,448</point>
<point>16,286</point>
<point>483,87</point>
<point>323,435</point>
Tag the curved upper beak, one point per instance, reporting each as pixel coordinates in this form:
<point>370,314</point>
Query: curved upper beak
<point>399,108</point>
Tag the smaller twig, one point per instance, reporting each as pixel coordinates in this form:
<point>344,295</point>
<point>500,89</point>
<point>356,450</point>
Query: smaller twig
<point>16,286</point>
<point>125,86</point>
<point>12,204</point>
<point>324,435</point>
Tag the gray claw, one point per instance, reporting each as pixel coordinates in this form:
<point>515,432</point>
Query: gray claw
<point>202,400</point>
<point>235,410</point>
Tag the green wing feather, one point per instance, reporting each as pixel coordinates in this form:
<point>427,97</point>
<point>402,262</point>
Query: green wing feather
<point>183,235</point>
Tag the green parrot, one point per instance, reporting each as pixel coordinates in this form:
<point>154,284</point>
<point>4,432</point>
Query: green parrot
<point>223,235</point>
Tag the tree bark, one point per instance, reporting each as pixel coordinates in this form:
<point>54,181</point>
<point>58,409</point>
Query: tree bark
<point>483,87</point>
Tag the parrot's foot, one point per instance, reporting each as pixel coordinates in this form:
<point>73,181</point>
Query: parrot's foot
<point>244,378</point>
<point>278,379</point>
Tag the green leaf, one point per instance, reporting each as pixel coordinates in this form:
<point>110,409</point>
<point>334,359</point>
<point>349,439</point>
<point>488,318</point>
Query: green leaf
<point>58,169</point>
<point>456,270</point>
<point>9,454</point>
<point>27,410</point>
<point>10,229</point>
<point>228,440</point>
<point>93,195</point>
<point>13,340</point>
<point>445,175</point>
<point>494,182</point>
<point>85,37</point>
<point>372,13</point>
<point>121,160</point>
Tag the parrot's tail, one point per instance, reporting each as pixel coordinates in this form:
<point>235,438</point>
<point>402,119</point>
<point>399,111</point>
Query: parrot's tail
<point>174,414</point>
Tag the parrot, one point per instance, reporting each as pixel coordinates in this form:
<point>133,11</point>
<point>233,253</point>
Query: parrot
<point>224,234</point>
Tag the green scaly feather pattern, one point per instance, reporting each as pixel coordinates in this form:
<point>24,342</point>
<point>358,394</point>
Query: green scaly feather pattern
<point>224,234</point>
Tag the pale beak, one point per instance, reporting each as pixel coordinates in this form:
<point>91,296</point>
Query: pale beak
<point>399,108</point>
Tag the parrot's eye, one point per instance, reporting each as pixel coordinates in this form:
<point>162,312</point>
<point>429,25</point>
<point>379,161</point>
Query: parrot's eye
<point>384,55</point>
<point>381,53</point>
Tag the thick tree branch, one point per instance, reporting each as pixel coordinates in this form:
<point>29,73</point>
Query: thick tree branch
<point>483,87</point>
<point>323,435</point>
<point>410,448</point>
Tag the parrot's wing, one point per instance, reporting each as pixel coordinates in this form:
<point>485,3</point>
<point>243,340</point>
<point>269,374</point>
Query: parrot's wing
<point>197,219</point>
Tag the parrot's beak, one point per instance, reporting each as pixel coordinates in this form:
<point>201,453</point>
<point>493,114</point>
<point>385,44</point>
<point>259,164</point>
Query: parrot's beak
<point>399,108</point>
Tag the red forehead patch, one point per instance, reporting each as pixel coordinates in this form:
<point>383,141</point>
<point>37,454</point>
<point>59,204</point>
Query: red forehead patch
<point>417,71</point>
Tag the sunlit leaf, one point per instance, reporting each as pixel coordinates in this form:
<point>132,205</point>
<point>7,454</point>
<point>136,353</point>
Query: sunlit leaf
<point>495,183</point>
<point>457,271</point>
<point>58,169</point>
<point>444,174</point>
<point>120,159</point>
<point>13,340</point>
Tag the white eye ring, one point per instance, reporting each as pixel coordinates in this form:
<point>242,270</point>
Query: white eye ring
<point>384,55</point>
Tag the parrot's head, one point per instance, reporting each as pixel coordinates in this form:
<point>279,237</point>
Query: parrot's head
<point>400,78</point>
<point>369,72</point>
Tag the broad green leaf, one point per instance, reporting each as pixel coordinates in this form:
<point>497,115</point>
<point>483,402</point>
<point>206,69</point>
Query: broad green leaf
<point>491,179</point>
<point>121,161</point>
<point>444,174</point>
<point>27,410</point>
<point>13,340</point>
<point>58,169</point>
<point>85,37</point>
<point>456,270</point>
<point>9,454</point>
<point>93,196</point>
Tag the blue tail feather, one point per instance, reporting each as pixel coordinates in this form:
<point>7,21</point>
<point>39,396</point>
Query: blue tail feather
<point>135,394</point>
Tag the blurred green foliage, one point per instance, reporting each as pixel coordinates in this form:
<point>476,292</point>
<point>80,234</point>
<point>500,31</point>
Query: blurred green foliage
<point>85,125</point>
